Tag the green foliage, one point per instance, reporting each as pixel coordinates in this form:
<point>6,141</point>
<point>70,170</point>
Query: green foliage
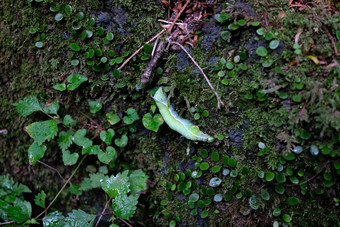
<point>36,152</point>
<point>131,117</point>
<point>13,207</point>
<point>95,106</point>
<point>42,131</point>
<point>40,199</point>
<point>75,81</point>
<point>28,105</point>
<point>124,206</point>
<point>152,123</point>
<point>75,218</point>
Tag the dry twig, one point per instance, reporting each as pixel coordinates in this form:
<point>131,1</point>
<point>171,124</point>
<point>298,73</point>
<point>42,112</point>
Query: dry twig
<point>219,101</point>
<point>137,51</point>
<point>178,15</point>
<point>102,213</point>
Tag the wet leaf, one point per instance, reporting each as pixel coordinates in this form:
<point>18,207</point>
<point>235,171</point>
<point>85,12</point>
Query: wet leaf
<point>28,105</point>
<point>95,106</point>
<point>116,185</point>
<point>108,156</point>
<point>42,131</point>
<point>112,118</point>
<point>152,123</point>
<point>80,139</point>
<point>39,199</point>
<point>137,180</point>
<point>124,206</point>
<point>69,158</point>
<point>36,152</point>
<point>51,108</point>
<point>64,140</point>
<point>75,81</point>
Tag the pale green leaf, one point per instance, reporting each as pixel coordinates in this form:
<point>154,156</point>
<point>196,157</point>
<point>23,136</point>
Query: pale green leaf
<point>42,131</point>
<point>28,105</point>
<point>124,206</point>
<point>95,106</point>
<point>64,140</point>
<point>112,118</point>
<point>80,139</point>
<point>121,142</point>
<point>152,123</point>
<point>106,136</point>
<point>52,108</point>
<point>116,185</point>
<point>137,179</point>
<point>79,218</point>
<point>75,81</point>
<point>70,158</point>
<point>54,219</point>
<point>94,149</point>
<point>108,156</point>
<point>68,120</point>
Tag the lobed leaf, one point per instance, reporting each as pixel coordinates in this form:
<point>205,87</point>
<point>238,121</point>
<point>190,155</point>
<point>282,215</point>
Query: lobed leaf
<point>28,105</point>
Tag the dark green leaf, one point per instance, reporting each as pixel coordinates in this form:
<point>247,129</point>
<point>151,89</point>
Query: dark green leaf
<point>20,211</point>
<point>75,46</point>
<point>131,117</point>
<point>68,9</point>
<point>264,194</point>
<point>292,201</point>
<point>39,199</point>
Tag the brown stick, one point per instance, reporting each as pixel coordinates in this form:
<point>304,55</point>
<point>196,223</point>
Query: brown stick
<point>178,15</point>
<point>219,101</point>
<point>332,40</point>
<point>52,168</point>
<point>137,51</point>
<point>148,71</point>
<point>101,215</point>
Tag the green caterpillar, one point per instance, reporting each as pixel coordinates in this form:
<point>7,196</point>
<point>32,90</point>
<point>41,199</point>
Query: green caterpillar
<point>180,125</point>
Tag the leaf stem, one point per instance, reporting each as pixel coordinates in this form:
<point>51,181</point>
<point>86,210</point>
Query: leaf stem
<point>68,180</point>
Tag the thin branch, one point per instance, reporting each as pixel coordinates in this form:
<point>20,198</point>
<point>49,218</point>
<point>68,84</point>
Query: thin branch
<point>68,180</point>
<point>332,40</point>
<point>126,223</point>
<point>219,101</point>
<point>52,168</point>
<point>178,15</point>
<point>101,215</point>
<point>137,51</point>
<point>7,223</point>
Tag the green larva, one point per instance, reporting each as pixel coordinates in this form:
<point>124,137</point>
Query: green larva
<point>180,125</point>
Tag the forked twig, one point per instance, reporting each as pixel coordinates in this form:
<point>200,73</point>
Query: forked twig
<point>219,101</point>
<point>52,168</point>
<point>178,15</point>
<point>68,180</point>
<point>137,51</point>
<point>102,213</point>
